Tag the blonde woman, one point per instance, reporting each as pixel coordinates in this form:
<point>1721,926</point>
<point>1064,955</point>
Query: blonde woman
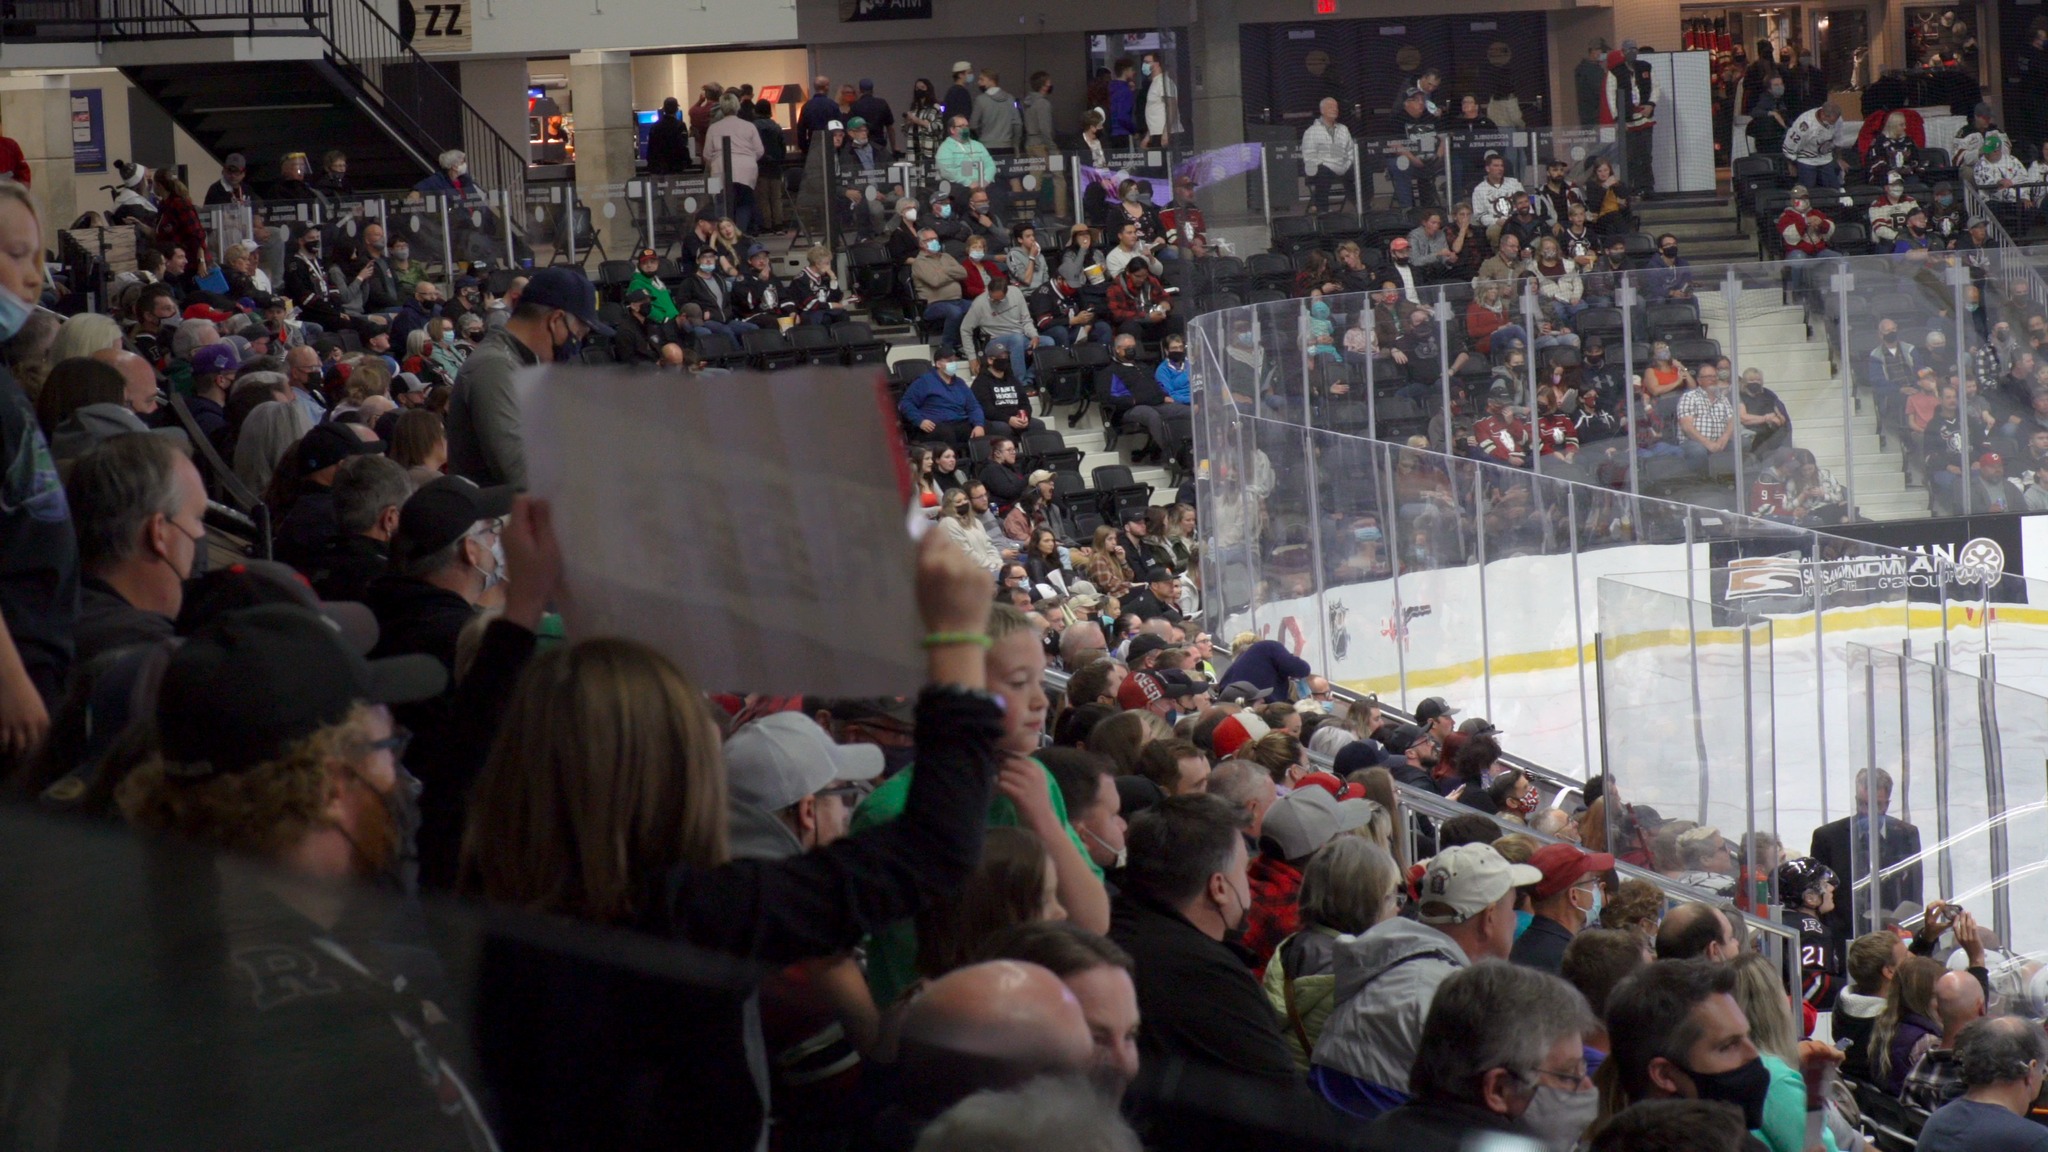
<point>1761,993</point>
<point>83,335</point>
<point>964,527</point>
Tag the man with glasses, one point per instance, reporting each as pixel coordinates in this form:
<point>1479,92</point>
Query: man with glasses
<point>1565,901</point>
<point>788,770</point>
<point>1499,1053</point>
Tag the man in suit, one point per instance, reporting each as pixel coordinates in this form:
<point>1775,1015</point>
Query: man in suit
<point>1844,846</point>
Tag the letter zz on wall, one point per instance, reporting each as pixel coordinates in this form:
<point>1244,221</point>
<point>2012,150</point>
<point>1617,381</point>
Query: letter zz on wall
<point>440,26</point>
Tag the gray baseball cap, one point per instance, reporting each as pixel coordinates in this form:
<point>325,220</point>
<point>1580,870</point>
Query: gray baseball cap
<point>783,757</point>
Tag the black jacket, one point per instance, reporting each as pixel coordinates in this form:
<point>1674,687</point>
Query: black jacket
<point>693,290</point>
<point>1197,996</point>
<point>306,530</point>
<point>580,1054</point>
<point>760,300</point>
<point>1145,606</point>
<point>1433,1126</point>
<point>1897,841</point>
<point>344,568</point>
<point>668,148</point>
<point>635,341</point>
<point>1542,945</point>
<point>107,621</point>
<point>415,616</point>
<point>1003,481</point>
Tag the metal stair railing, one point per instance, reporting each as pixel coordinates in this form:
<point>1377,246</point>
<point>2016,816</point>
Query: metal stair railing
<point>369,51</point>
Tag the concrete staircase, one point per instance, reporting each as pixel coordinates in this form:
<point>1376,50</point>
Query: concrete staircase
<point>1705,227</point>
<point>1773,338</point>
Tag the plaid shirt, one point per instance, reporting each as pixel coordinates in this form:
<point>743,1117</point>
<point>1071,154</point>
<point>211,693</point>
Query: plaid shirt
<point>1274,915</point>
<point>177,222</point>
<point>1934,1081</point>
<point>1710,415</point>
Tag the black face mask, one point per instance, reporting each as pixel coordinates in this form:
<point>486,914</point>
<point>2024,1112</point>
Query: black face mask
<point>1745,1087</point>
<point>1671,253</point>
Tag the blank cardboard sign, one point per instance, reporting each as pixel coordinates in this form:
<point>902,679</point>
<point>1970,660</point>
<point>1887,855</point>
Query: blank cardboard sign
<point>749,526</point>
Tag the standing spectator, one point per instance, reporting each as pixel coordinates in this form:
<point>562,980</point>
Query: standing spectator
<point>1185,891</point>
<point>557,310</point>
<point>959,99</point>
<point>1499,1053</point>
<point>1565,901</point>
<point>177,221</point>
<point>1466,915</point>
<point>700,113</point>
<point>1844,847</point>
<point>1162,102</point>
<point>923,123</point>
<point>1589,81</point>
<point>2003,1061</point>
<point>1634,96</point>
<point>1810,147</point>
<point>880,118</point>
<point>668,149</point>
<point>817,115</point>
<point>728,126</point>
<point>1040,139</point>
<point>771,202</point>
<point>1327,154</point>
<point>1123,103</point>
<point>994,120</point>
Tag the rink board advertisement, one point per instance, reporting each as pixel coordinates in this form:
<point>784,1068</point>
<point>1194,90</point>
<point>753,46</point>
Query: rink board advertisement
<point>1972,557</point>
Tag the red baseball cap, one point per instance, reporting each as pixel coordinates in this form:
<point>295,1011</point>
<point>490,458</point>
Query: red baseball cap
<point>1564,865</point>
<point>205,311</point>
<point>1139,690</point>
<point>1990,458</point>
<point>1241,729</point>
<point>1333,786</point>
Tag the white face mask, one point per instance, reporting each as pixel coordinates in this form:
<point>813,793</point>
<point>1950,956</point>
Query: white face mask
<point>910,214</point>
<point>461,170</point>
<point>1560,1118</point>
<point>1123,855</point>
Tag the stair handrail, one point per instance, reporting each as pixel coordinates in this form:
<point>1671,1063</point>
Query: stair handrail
<point>363,43</point>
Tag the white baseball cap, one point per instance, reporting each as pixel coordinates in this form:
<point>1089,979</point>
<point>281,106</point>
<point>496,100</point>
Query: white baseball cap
<point>1468,880</point>
<point>1308,818</point>
<point>783,757</point>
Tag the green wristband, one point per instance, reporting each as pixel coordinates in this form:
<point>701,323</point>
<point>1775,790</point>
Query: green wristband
<point>948,639</point>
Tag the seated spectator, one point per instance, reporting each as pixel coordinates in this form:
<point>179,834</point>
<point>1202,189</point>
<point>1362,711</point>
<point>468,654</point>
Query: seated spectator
<point>1673,1125</point>
<point>1493,197</point>
<point>1506,265</point>
<point>1141,307</point>
<point>1185,890</point>
<point>1525,224</point>
<point>1487,312</point>
<point>1937,1077</point>
<point>1609,202</point>
<point>309,523</point>
<point>1874,959</point>
<point>1906,1029</point>
<point>939,281</point>
<point>2003,1061</point>
<point>713,290</point>
<point>1296,827</point>
<point>1677,1031</point>
<point>1996,171</point>
<point>1502,435</point>
<point>1499,1052</point>
<point>1558,286</point>
<point>942,404</point>
<point>1139,402</point>
<point>816,290</point>
<point>1706,423</point>
<point>647,278</point>
<point>1888,214</point>
<point>1708,863</point>
<point>444,557</point>
<point>138,507</point>
<point>758,297</point>
<point>1564,902</point>
<point>367,493</point>
<point>982,268</point>
<point>1810,147</point>
<point>1697,931</point>
<point>1015,882</point>
<point>1098,973</point>
<point>1667,276</point>
<point>1000,317</point>
<point>1346,887</point>
<point>1766,425</point>
<point>1048,1112</point>
<point>1892,153</point>
<point>1466,915</point>
<point>1087,783</point>
<point>1992,490</point>
<point>1594,962</point>
<point>1001,476</point>
<point>958,520</point>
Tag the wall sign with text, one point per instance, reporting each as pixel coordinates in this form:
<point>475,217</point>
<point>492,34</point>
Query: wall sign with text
<point>851,11</point>
<point>436,25</point>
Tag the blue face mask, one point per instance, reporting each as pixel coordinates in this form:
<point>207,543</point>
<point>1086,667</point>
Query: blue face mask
<point>1522,922</point>
<point>14,312</point>
<point>1367,533</point>
<point>931,245</point>
<point>1599,902</point>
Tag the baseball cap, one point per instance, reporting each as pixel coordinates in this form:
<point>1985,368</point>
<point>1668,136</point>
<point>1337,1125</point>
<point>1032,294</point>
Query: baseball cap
<point>253,583</point>
<point>1468,879</point>
<point>1338,789</point>
<point>443,512</point>
<point>1177,683</point>
<point>1895,180</point>
<point>1982,109</point>
<point>1145,645</point>
<point>853,122</point>
<point>960,66</point>
<point>214,359</point>
<point>329,444</point>
<point>867,85</point>
<point>1308,818</point>
<point>1990,458</point>
<point>1242,692</point>
<point>1241,729</point>
<point>407,383</point>
<point>208,720</point>
<point>1038,477</point>
<point>1140,690</point>
<point>835,126</point>
<point>1398,244</point>
<point>638,296</point>
<point>1564,865</point>
<point>205,311</point>
<point>1156,574</point>
<point>782,757</point>
<point>644,255</point>
<point>568,290</point>
<point>1479,726</point>
<point>1432,708</point>
<point>235,162</point>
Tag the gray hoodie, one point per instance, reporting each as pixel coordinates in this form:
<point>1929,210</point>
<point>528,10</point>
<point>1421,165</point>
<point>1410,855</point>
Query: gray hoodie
<point>1038,129</point>
<point>1386,979</point>
<point>995,121</point>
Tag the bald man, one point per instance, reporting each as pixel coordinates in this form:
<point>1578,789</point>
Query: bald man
<point>993,1025</point>
<point>140,396</point>
<point>1937,1077</point>
<point>1697,931</point>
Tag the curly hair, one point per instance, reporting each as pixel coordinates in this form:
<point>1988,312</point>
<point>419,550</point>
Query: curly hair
<point>262,812</point>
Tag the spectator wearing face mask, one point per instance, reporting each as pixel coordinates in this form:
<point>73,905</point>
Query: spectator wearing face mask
<point>1667,276</point>
<point>1677,1031</point>
<point>962,159</point>
<point>444,557</point>
<point>1499,1053</point>
<point>557,310</point>
<point>941,404</point>
<point>1565,902</point>
<point>713,292</point>
<point>137,503</point>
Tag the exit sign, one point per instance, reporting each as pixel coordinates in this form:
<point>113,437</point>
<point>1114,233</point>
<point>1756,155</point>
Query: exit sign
<point>1326,7</point>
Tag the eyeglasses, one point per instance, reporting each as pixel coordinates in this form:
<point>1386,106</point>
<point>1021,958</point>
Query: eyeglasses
<point>853,792</point>
<point>396,743</point>
<point>1576,1077</point>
